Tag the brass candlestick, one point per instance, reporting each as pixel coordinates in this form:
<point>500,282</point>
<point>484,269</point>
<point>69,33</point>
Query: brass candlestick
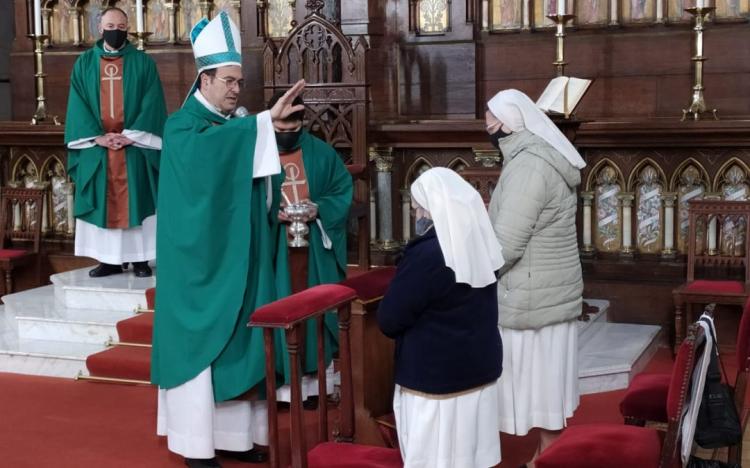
<point>560,21</point>
<point>698,105</point>
<point>140,39</point>
<point>40,114</point>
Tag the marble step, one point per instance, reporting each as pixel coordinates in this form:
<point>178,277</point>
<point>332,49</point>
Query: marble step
<point>39,315</point>
<point>587,329</point>
<point>614,354</point>
<point>43,357</point>
<point>121,292</point>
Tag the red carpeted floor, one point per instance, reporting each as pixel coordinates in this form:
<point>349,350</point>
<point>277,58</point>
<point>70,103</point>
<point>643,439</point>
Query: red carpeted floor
<point>52,422</point>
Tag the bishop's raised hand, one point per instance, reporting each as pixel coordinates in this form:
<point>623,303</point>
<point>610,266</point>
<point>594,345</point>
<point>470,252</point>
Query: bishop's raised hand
<point>283,107</point>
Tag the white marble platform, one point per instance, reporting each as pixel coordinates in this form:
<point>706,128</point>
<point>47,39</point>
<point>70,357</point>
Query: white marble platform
<point>40,315</point>
<point>52,329</point>
<point>76,290</point>
<point>613,354</point>
<point>43,357</point>
<point>587,329</point>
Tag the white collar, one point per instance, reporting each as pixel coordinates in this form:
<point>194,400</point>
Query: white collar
<point>202,99</point>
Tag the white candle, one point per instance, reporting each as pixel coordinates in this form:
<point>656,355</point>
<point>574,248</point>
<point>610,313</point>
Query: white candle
<point>38,17</point>
<point>700,3</point>
<point>587,225</point>
<point>139,16</point>
<point>560,7</point>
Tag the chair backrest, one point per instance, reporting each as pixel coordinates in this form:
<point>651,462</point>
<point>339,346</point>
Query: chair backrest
<point>483,179</point>
<point>14,202</point>
<point>679,387</point>
<point>290,314</point>
<point>743,362</point>
<point>336,99</point>
<point>708,227</point>
<point>334,69</point>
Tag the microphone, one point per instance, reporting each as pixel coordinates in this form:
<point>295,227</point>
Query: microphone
<point>241,111</point>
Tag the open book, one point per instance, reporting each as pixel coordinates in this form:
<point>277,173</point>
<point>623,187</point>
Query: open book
<point>562,95</point>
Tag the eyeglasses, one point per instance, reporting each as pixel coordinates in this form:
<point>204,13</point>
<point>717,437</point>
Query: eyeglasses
<point>231,82</point>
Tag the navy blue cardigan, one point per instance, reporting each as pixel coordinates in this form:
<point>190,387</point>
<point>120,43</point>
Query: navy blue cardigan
<point>446,333</point>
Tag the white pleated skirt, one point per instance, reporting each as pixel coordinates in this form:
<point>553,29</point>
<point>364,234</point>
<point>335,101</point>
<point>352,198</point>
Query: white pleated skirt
<point>457,432</point>
<point>539,384</point>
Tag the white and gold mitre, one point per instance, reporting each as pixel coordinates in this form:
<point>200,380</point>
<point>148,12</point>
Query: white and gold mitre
<point>216,43</point>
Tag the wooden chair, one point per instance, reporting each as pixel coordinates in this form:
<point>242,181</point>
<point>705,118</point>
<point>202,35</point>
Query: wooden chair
<point>290,314</point>
<point>335,99</point>
<point>483,179</point>
<point>12,258</point>
<point>372,360</point>
<point>726,291</point>
<point>646,397</point>
<point>623,446</point>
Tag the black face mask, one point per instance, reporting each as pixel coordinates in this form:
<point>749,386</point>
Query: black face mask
<point>287,141</point>
<point>495,137</point>
<point>115,38</point>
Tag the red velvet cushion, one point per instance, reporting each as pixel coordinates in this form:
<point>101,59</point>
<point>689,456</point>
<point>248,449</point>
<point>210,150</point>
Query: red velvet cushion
<point>12,253</point>
<point>709,286</point>
<point>371,285</point>
<point>603,445</point>
<point>646,398</point>
<point>743,337</point>
<point>150,298</point>
<point>342,455</point>
<point>302,305</point>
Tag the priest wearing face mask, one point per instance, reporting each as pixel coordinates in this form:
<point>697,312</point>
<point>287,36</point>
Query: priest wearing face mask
<point>533,212</point>
<point>116,114</point>
<point>313,173</point>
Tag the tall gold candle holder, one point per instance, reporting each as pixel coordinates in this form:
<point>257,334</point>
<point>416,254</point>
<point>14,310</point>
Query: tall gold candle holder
<point>560,21</point>
<point>140,39</point>
<point>40,115</point>
<point>698,104</point>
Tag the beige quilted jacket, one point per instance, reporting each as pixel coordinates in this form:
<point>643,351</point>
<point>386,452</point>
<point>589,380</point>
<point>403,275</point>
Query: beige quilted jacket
<point>533,212</point>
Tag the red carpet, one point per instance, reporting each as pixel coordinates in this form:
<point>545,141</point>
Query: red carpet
<point>63,423</point>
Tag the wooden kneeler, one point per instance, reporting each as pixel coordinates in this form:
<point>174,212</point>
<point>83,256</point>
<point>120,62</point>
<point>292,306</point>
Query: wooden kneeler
<point>290,314</point>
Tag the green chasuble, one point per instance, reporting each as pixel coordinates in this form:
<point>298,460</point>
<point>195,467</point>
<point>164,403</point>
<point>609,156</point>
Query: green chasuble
<point>215,252</point>
<point>330,186</point>
<point>144,110</point>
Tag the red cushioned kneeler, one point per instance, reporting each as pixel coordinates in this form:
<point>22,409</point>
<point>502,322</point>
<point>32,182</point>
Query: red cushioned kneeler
<point>646,398</point>
<point>291,314</point>
<point>338,455</point>
<point>603,445</point>
<point>372,285</point>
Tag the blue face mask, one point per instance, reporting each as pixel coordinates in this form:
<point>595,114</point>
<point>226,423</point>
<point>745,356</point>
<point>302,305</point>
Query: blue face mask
<point>422,225</point>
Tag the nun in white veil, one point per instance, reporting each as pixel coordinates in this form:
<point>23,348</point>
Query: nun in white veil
<point>533,211</point>
<point>441,308</point>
